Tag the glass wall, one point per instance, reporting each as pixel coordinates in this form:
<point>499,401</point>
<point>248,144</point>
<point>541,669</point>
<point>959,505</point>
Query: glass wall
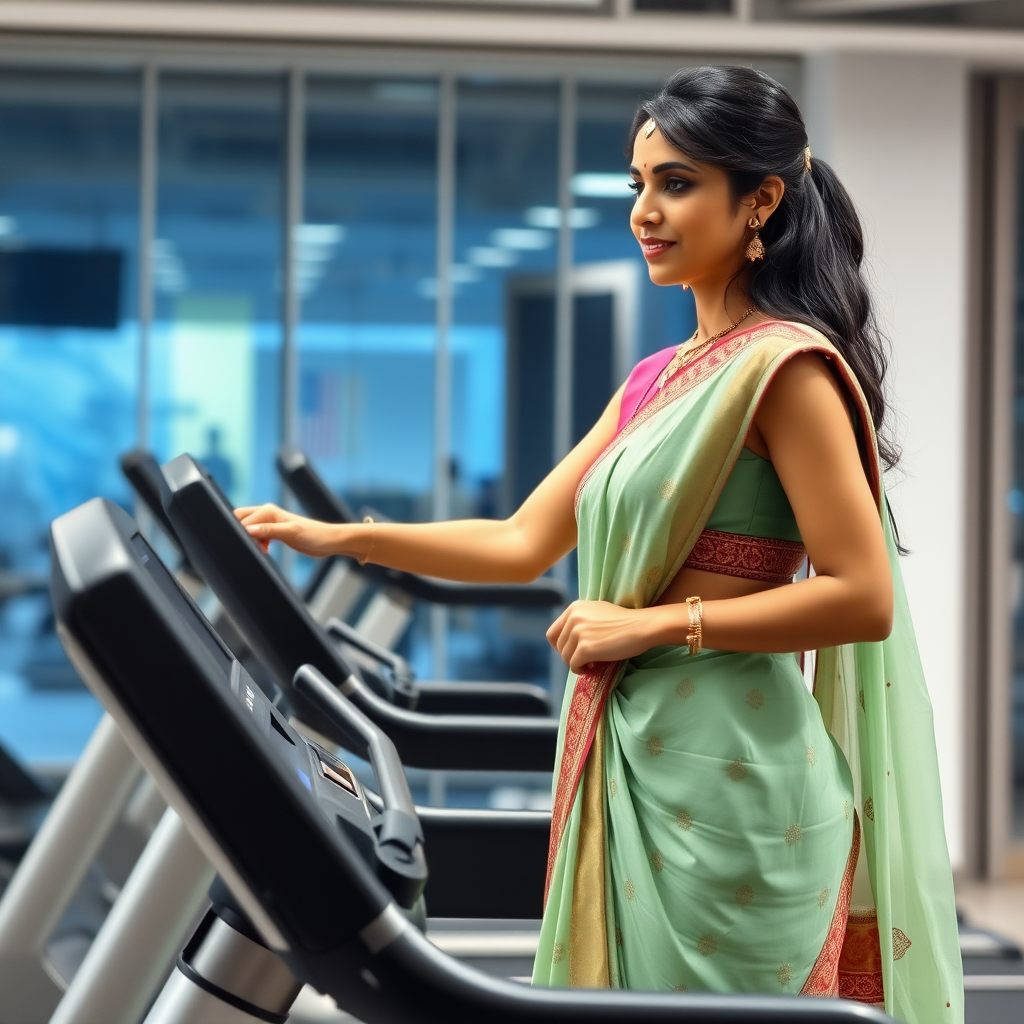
<point>215,356</point>
<point>69,158</point>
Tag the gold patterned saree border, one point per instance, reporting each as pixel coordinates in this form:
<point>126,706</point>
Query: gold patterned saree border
<point>586,704</point>
<point>588,931</point>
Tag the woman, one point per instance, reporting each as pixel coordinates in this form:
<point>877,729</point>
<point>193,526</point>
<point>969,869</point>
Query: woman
<point>715,826</point>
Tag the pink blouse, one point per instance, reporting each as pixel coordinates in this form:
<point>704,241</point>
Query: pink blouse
<point>640,386</point>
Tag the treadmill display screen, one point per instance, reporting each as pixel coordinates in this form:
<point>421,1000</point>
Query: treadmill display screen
<point>171,589</point>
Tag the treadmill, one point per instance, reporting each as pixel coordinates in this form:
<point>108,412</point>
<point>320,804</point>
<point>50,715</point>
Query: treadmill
<point>320,883</point>
<point>443,725</point>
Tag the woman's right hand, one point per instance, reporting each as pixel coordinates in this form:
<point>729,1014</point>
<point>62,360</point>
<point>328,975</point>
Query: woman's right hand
<point>265,523</point>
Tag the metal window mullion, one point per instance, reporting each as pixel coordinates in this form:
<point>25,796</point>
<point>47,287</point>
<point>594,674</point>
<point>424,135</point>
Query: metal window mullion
<point>147,230</point>
<point>442,356</point>
<point>563,273</point>
<point>295,135</point>
<point>562,434</point>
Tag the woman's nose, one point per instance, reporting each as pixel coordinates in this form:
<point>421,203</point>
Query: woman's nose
<point>644,213</point>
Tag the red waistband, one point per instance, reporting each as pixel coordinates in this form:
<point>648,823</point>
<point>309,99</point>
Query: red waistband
<point>753,558</point>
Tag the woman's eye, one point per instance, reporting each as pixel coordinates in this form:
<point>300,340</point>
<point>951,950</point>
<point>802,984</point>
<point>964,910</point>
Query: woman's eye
<point>675,186</point>
<point>636,187</point>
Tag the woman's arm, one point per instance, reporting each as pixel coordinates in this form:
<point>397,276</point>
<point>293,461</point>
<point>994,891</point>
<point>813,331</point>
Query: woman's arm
<point>513,550</point>
<point>806,429</point>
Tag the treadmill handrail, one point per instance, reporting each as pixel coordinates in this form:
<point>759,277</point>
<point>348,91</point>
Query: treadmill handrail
<point>454,742</point>
<point>399,667</point>
<point>366,738</point>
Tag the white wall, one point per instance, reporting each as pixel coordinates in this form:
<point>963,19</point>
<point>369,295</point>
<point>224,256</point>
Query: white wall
<point>895,129</point>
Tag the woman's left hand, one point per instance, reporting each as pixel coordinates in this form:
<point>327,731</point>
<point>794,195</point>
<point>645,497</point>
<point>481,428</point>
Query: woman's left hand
<point>591,631</point>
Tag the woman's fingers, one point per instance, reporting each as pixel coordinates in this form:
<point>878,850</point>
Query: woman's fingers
<point>555,629</point>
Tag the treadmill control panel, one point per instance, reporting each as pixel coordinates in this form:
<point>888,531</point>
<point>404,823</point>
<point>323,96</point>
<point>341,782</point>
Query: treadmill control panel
<point>328,779</point>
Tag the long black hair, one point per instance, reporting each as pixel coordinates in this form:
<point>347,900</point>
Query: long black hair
<point>746,123</point>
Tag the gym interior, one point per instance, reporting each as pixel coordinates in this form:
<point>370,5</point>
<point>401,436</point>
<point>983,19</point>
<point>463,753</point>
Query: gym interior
<point>373,259</point>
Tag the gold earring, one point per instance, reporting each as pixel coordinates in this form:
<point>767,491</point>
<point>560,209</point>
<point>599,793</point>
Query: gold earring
<point>755,247</point>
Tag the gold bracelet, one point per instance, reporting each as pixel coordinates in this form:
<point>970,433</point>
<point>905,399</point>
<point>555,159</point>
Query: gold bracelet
<point>369,550</point>
<point>695,637</point>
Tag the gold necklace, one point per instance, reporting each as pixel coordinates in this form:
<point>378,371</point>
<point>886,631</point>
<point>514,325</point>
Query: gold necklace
<point>687,351</point>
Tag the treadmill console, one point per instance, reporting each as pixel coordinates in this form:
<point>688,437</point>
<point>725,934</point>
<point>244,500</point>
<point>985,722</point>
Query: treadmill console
<point>331,785</point>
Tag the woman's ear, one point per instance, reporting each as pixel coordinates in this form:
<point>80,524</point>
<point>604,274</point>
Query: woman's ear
<point>765,200</point>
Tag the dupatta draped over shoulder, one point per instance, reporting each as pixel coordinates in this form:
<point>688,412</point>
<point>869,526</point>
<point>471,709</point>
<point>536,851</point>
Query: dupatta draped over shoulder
<point>867,811</point>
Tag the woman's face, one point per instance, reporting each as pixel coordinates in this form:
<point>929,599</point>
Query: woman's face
<point>688,222</point>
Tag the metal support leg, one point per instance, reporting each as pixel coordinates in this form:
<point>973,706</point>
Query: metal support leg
<point>338,594</point>
<point>223,977</point>
<point>155,914</point>
<point>385,619</point>
<point>87,807</point>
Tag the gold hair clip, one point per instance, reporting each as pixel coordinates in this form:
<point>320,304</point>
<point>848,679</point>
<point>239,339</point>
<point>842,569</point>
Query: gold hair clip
<point>807,158</point>
<point>649,128</point>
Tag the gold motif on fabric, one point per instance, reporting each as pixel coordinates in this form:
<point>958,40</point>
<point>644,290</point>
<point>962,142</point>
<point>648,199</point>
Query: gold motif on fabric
<point>657,860</point>
<point>869,809</point>
<point>755,698</point>
<point>667,489</point>
<point>558,952</point>
<point>627,543</point>
<point>812,758</point>
<point>900,944</point>
<point>655,746</point>
<point>767,559</point>
<point>618,936</point>
<point>653,576</point>
<point>737,771</point>
<point>744,895</point>
<point>784,974</point>
<point>707,946</point>
<point>684,820</point>
<point>630,889</point>
<point>680,988</point>
<point>793,835</point>
<point>823,897</point>
<point>685,688</point>
<point>613,786</point>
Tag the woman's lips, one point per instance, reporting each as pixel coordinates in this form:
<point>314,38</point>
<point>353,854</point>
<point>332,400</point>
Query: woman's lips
<point>654,247</point>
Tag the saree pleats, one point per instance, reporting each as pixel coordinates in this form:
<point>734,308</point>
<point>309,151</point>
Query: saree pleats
<point>705,830</point>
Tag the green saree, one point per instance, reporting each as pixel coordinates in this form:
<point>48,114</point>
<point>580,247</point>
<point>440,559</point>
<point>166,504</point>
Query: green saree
<point>715,826</point>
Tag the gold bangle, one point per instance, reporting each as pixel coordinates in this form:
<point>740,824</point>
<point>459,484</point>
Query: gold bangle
<point>695,637</point>
<point>369,550</point>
